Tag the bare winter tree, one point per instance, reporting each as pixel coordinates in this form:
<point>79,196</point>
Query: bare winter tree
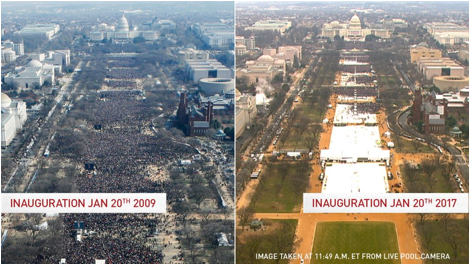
<point>259,192</point>
<point>303,125</point>
<point>283,170</point>
<point>299,183</point>
<point>277,189</point>
<point>416,144</point>
<point>280,241</point>
<point>199,194</point>
<point>422,218</point>
<point>445,217</point>
<point>428,233</point>
<point>398,142</point>
<point>294,115</point>
<point>447,169</point>
<point>183,209</point>
<point>190,240</point>
<point>465,217</point>
<point>222,256</point>
<point>310,142</point>
<point>245,215</point>
<point>429,166</point>
<point>252,245</point>
<point>454,238</point>
<point>227,211</point>
<point>196,179</point>
<point>243,177</point>
<point>205,217</point>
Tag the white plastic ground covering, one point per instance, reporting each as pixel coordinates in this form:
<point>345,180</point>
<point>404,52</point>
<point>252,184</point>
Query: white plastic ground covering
<point>355,178</point>
<point>358,138</point>
<point>355,143</point>
<point>345,113</point>
<point>342,98</point>
<point>347,62</point>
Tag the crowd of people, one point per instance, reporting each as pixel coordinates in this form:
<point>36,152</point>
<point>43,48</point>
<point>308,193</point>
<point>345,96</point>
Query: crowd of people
<point>360,57</point>
<point>370,107</point>
<point>121,155</point>
<point>121,152</point>
<point>361,79</point>
<point>127,73</point>
<point>355,68</point>
<point>119,108</point>
<point>122,63</point>
<point>359,91</point>
<point>112,250</point>
<point>121,84</point>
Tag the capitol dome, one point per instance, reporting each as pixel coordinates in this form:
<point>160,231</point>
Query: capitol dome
<point>34,63</point>
<point>355,22</point>
<point>122,25</point>
<point>6,101</point>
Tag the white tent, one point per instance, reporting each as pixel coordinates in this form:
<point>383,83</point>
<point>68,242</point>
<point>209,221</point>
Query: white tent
<point>222,240</point>
<point>42,226</point>
<point>52,214</point>
<point>390,145</point>
<point>387,134</point>
<point>185,162</point>
<point>325,120</point>
<point>293,154</point>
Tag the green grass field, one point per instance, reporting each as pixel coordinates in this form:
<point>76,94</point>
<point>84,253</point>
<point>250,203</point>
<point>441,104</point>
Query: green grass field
<point>419,184</point>
<point>315,114</point>
<point>407,147</point>
<point>346,238</point>
<point>282,198</point>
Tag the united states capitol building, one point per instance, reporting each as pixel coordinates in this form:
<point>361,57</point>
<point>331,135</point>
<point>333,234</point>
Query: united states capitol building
<point>121,33</point>
<point>352,30</point>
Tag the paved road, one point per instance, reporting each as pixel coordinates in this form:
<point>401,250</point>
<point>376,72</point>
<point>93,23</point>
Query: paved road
<point>274,122</point>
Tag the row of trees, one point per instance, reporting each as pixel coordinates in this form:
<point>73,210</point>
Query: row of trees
<point>424,177</point>
<point>325,71</point>
<point>444,233</point>
<point>195,239</point>
<point>300,123</point>
<point>244,174</point>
